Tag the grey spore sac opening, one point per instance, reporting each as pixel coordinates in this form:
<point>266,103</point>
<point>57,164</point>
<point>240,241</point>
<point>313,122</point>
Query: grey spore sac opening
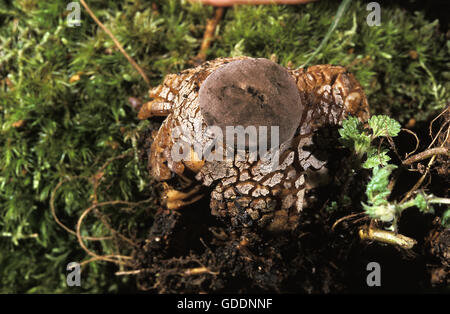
<point>252,92</point>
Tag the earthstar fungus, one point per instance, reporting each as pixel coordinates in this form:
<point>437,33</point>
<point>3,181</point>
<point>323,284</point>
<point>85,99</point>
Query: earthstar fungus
<point>250,92</point>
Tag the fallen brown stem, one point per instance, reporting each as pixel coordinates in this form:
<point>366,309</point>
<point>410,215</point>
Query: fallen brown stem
<point>417,141</point>
<point>116,42</point>
<point>99,175</point>
<point>345,218</point>
<point>95,259</point>
<point>95,180</point>
<point>53,210</point>
<point>427,154</point>
<point>86,212</point>
<point>80,238</point>
<point>430,163</point>
<point>130,272</point>
<point>431,126</point>
<point>211,25</point>
<point>388,237</point>
<point>199,271</point>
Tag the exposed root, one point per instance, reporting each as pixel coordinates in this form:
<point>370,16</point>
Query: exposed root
<point>417,142</point>
<point>430,152</point>
<point>388,237</point>
<point>80,239</point>
<point>211,25</point>
<point>345,218</point>
<point>53,210</point>
<point>427,154</point>
<point>95,180</point>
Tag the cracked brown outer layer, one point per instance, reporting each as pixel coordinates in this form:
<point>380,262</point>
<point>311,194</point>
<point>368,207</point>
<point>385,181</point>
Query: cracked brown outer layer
<point>252,193</point>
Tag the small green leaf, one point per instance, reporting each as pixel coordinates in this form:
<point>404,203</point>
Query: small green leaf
<point>332,207</point>
<point>421,203</point>
<point>376,159</point>
<point>377,189</point>
<point>385,55</point>
<point>386,212</point>
<point>350,128</point>
<point>127,77</point>
<point>384,126</point>
<point>446,218</point>
<point>362,144</point>
<point>353,136</point>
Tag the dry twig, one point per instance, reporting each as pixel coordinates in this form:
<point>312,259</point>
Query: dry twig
<point>211,25</point>
<point>116,42</point>
<point>427,154</point>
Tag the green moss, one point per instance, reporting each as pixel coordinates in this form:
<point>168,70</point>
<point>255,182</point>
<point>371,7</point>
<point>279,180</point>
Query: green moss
<point>380,57</point>
<point>71,128</point>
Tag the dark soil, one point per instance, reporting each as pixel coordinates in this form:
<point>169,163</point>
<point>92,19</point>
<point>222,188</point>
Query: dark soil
<point>312,259</point>
<point>191,251</point>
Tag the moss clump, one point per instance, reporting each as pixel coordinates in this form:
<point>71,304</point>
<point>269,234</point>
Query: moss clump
<point>64,108</point>
<point>402,64</point>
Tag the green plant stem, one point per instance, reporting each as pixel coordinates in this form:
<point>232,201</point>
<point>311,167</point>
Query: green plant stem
<point>433,81</point>
<point>340,12</point>
<point>439,200</point>
<point>401,207</point>
<point>430,199</point>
